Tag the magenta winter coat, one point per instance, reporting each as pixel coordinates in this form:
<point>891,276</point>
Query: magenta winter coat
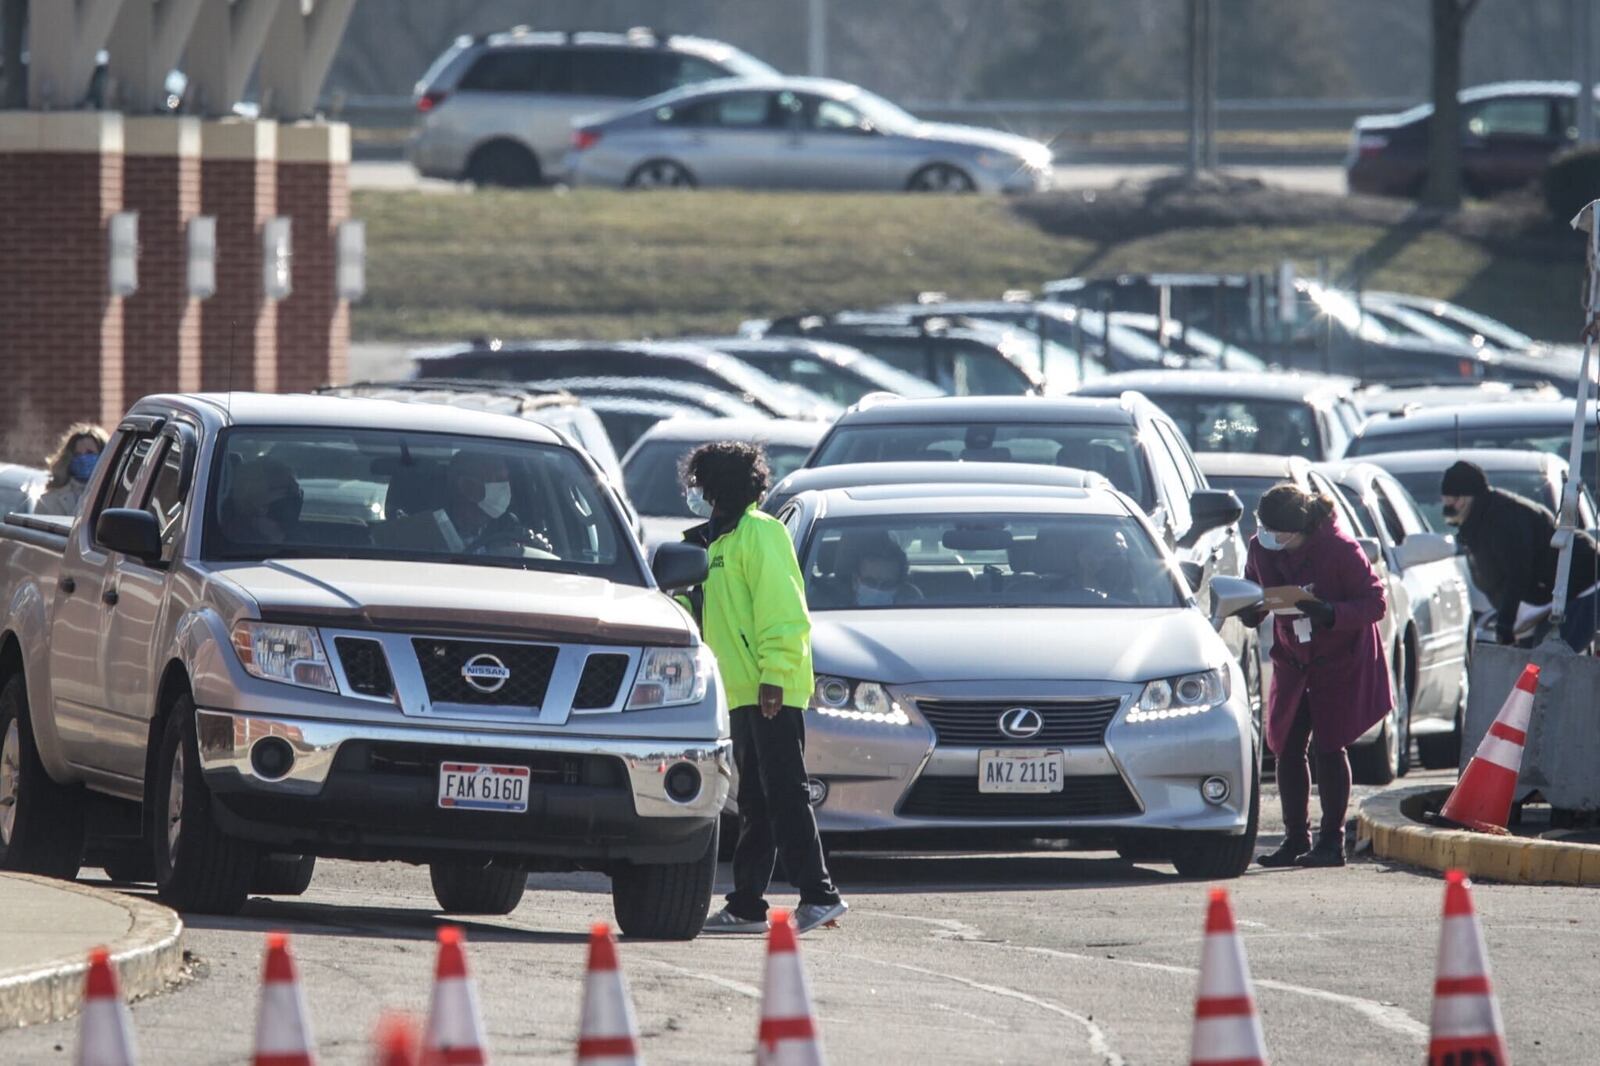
<point>1343,671</point>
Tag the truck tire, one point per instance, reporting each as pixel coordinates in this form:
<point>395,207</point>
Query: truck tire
<point>667,902</point>
<point>1213,857</point>
<point>131,865</point>
<point>198,867</point>
<point>41,822</point>
<point>465,889</point>
<point>284,875</point>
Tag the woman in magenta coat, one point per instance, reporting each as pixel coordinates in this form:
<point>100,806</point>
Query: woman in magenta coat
<point>1330,680</point>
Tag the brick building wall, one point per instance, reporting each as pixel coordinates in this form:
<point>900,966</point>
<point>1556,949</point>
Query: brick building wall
<point>61,330</point>
<point>239,325</point>
<point>161,322</point>
<point>314,192</point>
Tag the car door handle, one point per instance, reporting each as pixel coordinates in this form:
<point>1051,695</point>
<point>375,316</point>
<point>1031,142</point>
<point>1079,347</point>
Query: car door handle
<point>68,585</point>
<point>109,597</point>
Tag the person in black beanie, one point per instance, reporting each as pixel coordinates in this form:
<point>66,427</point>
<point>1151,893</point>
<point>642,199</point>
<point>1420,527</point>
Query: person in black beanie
<point>1507,539</point>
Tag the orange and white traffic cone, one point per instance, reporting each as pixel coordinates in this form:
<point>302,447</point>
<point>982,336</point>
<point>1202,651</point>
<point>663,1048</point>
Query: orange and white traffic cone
<point>394,1041</point>
<point>1226,1028</point>
<point>1482,798</point>
<point>607,1035</point>
<point>1466,1016</point>
<point>788,1035</point>
<point>454,1036</point>
<point>283,1035</point>
<point>105,1032</point>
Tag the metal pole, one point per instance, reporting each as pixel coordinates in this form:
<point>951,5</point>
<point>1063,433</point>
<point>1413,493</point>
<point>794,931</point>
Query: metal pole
<point>1584,38</point>
<point>1567,524</point>
<point>1209,115</point>
<point>817,38</point>
<point>1196,157</point>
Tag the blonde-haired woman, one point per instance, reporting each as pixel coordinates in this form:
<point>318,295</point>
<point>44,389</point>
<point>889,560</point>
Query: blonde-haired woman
<point>70,468</point>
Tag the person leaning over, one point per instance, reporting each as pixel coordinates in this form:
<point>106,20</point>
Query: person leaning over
<point>1330,677</point>
<point>754,619</point>
<point>70,468</point>
<point>1507,539</point>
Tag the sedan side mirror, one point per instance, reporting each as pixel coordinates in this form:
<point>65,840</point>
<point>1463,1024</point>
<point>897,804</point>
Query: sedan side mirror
<point>1419,549</point>
<point>1373,549</point>
<point>679,566</point>
<point>1230,596</point>
<point>129,531</point>
<point>1212,509</point>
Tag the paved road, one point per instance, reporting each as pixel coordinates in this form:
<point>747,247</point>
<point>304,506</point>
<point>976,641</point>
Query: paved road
<point>950,958</point>
<point>398,175</point>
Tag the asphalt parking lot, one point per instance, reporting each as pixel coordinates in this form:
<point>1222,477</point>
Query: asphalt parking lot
<point>1015,958</point>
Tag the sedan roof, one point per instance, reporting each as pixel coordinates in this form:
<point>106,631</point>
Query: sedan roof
<point>1248,464</point>
<point>765,430</point>
<point>1444,419</point>
<point>973,499</point>
<point>1490,460</point>
<point>996,409</point>
<point>850,475</point>
<point>1304,387</point>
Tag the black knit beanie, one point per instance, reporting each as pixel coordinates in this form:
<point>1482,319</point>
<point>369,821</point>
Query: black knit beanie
<point>1464,479</point>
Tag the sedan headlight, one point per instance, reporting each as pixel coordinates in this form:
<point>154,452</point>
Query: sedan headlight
<point>858,701</point>
<point>1182,697</point>
<point>999,161</point>
<point>671,677</point>
<point>290,654</point>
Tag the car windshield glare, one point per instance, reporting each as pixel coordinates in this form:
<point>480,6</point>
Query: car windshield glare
<point>1223,424</point>
<point>890,118</point>
<point>317,492</point>
<point>907,562</point>
<point>1108,450</point>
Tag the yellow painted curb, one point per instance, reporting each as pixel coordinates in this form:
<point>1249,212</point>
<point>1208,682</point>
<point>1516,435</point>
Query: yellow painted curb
<point>1389,821</point>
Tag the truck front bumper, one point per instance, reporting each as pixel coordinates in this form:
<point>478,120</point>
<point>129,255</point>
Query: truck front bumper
<point>355,790</point>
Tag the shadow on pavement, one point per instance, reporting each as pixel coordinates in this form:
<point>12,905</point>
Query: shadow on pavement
<point>872,874</point>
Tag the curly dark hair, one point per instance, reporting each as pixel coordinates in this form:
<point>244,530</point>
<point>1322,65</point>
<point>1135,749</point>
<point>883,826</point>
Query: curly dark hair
<point>731,473</point>
<point>1288,508</point>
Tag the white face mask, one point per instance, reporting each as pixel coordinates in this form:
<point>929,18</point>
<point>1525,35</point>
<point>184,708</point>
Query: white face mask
<point>1270,540</point>
<point>867,596</point>
<point>496,498</point>
<point>697,502</point>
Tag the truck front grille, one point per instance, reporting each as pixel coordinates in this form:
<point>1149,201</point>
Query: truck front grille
<point>601,681</point>
<point>365,667</point>
<point>485,673</point>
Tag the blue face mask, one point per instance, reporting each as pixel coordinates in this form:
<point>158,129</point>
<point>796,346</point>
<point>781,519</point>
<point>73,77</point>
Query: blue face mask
<point>82,466</point>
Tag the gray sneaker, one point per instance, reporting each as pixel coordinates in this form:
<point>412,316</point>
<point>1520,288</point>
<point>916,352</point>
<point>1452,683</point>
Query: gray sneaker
<point>808,916</point>
<point>725,922</point>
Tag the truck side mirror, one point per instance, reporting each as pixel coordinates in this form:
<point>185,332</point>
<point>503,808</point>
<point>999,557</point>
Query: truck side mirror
<point>130,531</point>
<point>679,566</point>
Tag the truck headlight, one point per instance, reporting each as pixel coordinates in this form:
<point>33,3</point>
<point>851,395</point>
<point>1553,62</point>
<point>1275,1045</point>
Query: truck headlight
<point>858,701</point>
<point>1182,697</point>
<point>291,654</point>
<point>671,677</point>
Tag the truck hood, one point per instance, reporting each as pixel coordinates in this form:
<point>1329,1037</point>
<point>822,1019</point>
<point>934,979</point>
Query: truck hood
<point>903,647</point>
<point>444,598</point>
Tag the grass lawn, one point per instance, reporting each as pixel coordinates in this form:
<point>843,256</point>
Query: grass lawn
<point>613,265</point>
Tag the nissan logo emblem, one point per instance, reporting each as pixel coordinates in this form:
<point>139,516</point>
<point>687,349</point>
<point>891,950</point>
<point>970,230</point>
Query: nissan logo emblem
<point>1021,723</point>
<point>485,673</point>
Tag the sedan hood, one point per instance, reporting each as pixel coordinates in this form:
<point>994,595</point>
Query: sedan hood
<point>443,598</point>
<point>911,646</point>
<point>1029,150</point>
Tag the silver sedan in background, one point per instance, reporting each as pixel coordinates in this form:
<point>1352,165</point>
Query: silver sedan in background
<point>805,133</point>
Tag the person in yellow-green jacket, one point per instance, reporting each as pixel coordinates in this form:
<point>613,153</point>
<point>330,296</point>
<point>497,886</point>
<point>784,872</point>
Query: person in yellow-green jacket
<point>753,617</point>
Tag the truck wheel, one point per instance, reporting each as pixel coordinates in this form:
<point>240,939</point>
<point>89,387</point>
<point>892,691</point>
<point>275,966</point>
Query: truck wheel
<point>198,867</point>
<point>284,875</point>
<point>1212,857</point>
<point>41,822</point>
<point>668,902</point>
<point>463,889</point>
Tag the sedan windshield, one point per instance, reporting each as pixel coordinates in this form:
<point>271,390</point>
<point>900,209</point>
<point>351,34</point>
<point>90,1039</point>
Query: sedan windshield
<point>1225,424</point>
<point>890,118</point>
<point>986,560</point>
<point>1107,450</point>
<point>317,492</point>
<point>656,489</point>
<point>1529,484</point>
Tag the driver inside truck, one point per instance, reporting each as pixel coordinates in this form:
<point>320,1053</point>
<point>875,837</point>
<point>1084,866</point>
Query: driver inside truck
<point>264,504</point>
<point>479,507</point>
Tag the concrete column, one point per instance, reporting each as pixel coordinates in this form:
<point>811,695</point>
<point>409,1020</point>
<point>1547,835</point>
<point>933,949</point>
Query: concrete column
<point>239,185</point>
<point>313,191</point>
<point>223,48</point>
<point>299,50</point>
<point>161,322</point>
<point>60,327</point>
<point>146,43</point>
<point>64,36</point>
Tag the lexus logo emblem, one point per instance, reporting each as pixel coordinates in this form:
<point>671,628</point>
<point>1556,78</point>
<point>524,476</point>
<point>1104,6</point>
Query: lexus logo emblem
<point>1021,723</point>
<point>485,673</point>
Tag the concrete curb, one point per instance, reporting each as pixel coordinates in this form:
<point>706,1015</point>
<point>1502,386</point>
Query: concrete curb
<point>148,957</point>
<point>1389,821</point>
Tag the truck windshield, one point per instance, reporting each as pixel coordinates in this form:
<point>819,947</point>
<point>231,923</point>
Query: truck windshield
<point>317,492</point>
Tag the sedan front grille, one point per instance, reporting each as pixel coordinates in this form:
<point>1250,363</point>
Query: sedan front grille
<point>1080,797</point>
<point>506,675</point>
<point>976,723</point>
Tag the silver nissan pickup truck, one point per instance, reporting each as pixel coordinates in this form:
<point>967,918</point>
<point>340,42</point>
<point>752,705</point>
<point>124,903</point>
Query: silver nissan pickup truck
<point>285,627</point>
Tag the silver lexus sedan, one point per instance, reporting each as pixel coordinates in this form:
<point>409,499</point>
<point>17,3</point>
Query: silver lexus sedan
<point>1002,661</point>
<point>805,133</point>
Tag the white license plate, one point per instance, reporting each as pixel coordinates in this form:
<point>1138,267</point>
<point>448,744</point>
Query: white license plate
<point>1001,770</point>
<point>480,787</point>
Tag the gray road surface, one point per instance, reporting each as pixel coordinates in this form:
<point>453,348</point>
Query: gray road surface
<point>1017,958</point>
<point>393,175</point>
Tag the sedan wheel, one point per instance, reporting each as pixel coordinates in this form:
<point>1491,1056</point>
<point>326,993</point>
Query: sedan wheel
<point>660,174</point>
<point>942,178</point>
<point>10,774</point>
